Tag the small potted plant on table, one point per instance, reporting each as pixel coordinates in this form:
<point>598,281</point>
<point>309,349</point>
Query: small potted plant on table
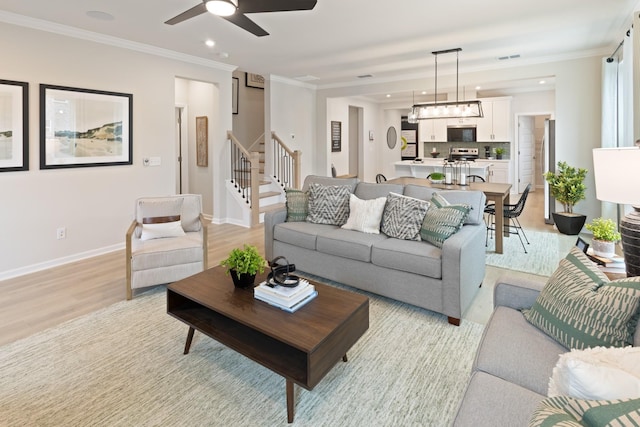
<point>567,187</point>
<point>605,236</point>
<point>243,265</point>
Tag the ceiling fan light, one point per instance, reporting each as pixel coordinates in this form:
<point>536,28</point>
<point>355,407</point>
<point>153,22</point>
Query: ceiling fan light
<point>222,7</point>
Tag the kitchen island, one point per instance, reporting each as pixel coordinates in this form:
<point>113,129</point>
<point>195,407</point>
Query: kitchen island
<point>421,170</point>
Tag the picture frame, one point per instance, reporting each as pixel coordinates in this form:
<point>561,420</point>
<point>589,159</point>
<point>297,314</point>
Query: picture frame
<point>202,141</point>
<point>235,83</point>
<point>254,80</point>
<point>84,127</point>
<point>14,126</point>
<point>336,136</point>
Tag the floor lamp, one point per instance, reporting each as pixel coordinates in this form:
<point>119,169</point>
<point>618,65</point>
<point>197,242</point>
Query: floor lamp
<point>616,172</point>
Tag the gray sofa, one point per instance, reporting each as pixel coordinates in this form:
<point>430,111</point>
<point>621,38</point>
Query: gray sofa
<point>417,272</point>
<point>515,360</point>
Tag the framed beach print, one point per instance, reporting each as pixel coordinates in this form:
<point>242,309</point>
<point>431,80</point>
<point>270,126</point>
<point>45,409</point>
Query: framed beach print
<point>84,127</point>
<point>14,126</point>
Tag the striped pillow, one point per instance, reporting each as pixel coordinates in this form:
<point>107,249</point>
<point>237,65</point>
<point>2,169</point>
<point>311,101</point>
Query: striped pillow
<point>329,204</point>
<point>568,412</point>
<point>580,308</point>
<point>443,220</point>
<point>297,205</point>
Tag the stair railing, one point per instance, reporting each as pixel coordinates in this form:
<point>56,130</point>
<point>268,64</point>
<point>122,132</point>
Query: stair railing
<point>245,171</point>
<point>286,163</point>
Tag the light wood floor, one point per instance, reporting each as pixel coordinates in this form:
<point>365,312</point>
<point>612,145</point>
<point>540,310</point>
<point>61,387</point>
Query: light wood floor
<point>38,301</point>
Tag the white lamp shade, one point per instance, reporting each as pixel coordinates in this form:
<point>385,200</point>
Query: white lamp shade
<point>222,7</point>
<point>617,175</point>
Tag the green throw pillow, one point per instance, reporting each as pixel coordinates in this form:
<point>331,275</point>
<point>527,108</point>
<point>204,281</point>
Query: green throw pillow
<point>297,205</point>
<point>580,308</point>
<point>565,411</point>
<point>443,220</point>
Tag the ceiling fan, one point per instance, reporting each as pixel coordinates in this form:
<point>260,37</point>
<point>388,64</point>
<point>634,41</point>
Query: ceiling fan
<point>234,11</point>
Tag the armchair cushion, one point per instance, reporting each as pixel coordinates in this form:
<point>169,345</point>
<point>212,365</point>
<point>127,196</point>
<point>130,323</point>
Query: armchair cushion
<point>161,229</point>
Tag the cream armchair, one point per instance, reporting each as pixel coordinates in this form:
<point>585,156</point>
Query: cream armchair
<point>166,242</point>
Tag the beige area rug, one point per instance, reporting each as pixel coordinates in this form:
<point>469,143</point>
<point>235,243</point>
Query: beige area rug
<point>123,366</point>
<point>544,252</point>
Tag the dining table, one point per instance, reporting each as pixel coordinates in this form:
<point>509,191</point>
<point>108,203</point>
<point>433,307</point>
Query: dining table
<point>496,192</point>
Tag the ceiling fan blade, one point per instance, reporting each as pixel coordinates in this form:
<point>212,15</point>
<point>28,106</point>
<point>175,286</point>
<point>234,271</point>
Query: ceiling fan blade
<point>245,23</point>
<point>193,12</point>
<point>257,6</point>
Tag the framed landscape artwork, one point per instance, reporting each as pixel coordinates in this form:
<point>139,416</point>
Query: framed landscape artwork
<point>202,141</point>
<point>14,126</point>
<point>84,127</point>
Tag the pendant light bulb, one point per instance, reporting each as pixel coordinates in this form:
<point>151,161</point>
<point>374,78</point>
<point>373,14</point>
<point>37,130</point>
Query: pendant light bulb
<point>222,7</point>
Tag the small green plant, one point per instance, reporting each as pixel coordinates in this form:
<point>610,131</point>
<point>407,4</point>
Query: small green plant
<point>500,151</point>
<point>436,176</point>
<point>604,229</point>
<point>247,260</point>
<point>567,185</point>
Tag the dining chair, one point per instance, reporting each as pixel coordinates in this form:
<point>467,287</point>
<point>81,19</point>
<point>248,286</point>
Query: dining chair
<point>475,178</point>
<point>380,178</point>
<point>511,214</point>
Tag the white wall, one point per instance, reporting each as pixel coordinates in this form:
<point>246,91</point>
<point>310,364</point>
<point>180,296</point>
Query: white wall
<point>95,204</point>
<point>291,111</point>
<point>248,124</point>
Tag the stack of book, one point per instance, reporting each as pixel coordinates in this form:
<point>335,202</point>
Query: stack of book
<point>285,298</point>
<point>614,264</point>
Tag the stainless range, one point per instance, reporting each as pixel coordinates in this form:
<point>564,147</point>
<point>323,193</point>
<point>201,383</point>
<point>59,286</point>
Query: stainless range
<point>463,154</point>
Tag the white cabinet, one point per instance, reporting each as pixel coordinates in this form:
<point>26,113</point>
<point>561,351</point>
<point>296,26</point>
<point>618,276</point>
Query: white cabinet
<point>500,171</point>
<point>462,121</point>
<point>432,130</point>
<point>495,125</point>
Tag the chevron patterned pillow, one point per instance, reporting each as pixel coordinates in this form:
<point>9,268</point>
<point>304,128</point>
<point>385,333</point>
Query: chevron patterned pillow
<point>580,308</point>
<point>328,204</point>
<point>402,216</point>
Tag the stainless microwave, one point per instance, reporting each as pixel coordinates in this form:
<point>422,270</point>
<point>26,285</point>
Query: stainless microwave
<point>461,134</point>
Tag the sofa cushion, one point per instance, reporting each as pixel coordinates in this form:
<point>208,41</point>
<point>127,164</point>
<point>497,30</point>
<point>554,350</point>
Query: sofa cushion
<point>365,215</point>
<point>580,308</point>
<point>410,256</point>
<point>161,227</point>
<point>328,180</point>
<point>368,190</point>
<point>567,411</point>
<point>516,351</point>
<point>301,234</point>
<point>403,216</point>
<point>597,373</point>
<point>476,199</point>
<point>492,401</point>
<point>328,204</point>
<point>442,221</point>
<point>348,244</point>
<point>297,205</point>
<point>166,252</point>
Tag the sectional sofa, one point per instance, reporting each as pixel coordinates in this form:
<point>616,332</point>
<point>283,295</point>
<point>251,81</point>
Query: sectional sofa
<point>444,280</point>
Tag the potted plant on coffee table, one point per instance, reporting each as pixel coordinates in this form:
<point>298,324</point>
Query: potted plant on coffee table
<point>605,235</point>
<point>567,187</point>
<point>243,265</point>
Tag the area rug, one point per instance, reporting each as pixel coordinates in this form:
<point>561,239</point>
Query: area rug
<point>123,366</point>
<point>545,250</point>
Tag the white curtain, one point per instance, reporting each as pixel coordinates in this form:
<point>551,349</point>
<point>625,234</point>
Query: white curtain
<point>625,95</point>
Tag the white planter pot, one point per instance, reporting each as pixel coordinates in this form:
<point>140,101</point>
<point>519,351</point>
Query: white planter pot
<point>603,249</point>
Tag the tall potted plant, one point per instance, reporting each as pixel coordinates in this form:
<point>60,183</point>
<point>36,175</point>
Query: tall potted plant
<point>567,187</point>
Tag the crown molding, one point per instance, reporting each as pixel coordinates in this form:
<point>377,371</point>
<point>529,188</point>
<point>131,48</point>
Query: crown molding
<point>65,30</point>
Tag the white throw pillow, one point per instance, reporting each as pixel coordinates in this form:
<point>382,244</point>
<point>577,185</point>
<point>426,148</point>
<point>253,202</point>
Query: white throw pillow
<point>598,373</point>
<point>365,215</point>
<point>161,230</point>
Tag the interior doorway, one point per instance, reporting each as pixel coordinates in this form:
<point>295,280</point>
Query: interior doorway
<point>182,151</point>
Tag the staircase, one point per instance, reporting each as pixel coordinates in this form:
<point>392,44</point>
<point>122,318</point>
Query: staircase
<point>248,172</point>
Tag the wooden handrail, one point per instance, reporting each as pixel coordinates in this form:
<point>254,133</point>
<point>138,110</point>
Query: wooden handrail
<point>291,169</point>
<point>282,144</point>
<point>233,139</point>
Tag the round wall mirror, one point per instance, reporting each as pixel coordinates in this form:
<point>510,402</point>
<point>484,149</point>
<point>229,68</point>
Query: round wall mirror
<point>392,137</point>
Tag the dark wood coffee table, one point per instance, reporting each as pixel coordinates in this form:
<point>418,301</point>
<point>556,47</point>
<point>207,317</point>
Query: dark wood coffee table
<point>301,346</point>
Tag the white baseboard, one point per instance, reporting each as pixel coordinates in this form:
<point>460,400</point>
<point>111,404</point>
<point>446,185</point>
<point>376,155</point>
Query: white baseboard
<point>59,261</point>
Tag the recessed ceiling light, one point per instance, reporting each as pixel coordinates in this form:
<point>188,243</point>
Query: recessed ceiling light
<point>424,92</point>
<point>101,16</point>
<point>210,43</point>
<point>542,82</point>
<point>388,95</point>
<point>478,87</point>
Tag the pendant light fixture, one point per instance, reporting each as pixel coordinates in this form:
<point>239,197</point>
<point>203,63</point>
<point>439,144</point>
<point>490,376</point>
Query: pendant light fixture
<point>449,109</point>
<point>222,7</point>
